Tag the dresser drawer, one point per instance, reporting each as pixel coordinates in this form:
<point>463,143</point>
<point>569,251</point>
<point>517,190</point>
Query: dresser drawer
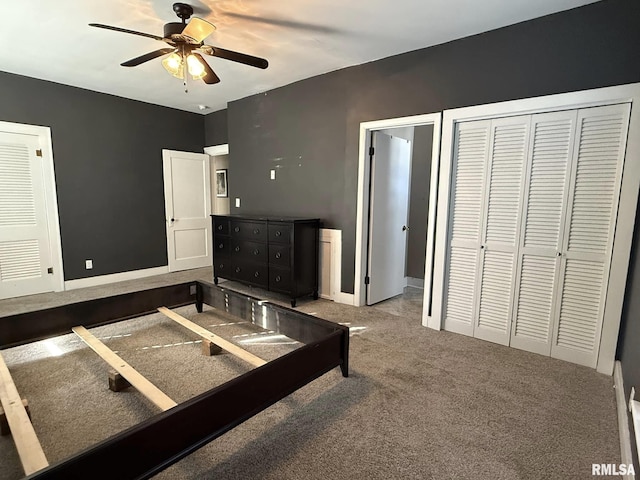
<point>221,246</point>
<point>279,255</point>
<point>280,279</point>
<point>246,250</point>
<point>280,233</point>
<point>220,225</point>
<point>222,268</point>
<point>254,274</point>
<point>249,230</point>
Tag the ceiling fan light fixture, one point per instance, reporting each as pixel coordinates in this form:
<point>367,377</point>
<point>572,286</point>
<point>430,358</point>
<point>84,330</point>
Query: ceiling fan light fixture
<point>196,69</point>
<point>174,65</point>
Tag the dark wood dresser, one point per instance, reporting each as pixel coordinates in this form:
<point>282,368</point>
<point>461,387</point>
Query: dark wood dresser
<point>277,254</point>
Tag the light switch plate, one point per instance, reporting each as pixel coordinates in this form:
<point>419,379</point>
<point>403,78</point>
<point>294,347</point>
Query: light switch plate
<point>273,174</point>
<point>88,264</point>
<point>237,203</point>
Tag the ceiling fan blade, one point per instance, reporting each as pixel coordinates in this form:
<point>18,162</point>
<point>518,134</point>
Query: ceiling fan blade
<point>198,29</point>
<point>281,22</point>
<point>145,58</point>
<point>210,78</point>
<point>235,56</point>
<point>133,32</point>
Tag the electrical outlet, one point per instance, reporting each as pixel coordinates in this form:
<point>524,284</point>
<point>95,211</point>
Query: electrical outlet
<point>88,264</point>
<point>237,203</point>
<point>273,174</point>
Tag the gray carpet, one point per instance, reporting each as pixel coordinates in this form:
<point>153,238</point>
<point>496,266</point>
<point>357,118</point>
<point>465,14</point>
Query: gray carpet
<point>418,404</point>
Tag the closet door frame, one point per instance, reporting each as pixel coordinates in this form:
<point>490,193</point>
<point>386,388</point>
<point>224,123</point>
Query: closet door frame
<point>623,235</point>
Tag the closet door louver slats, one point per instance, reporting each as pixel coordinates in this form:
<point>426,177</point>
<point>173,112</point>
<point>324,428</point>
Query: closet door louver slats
<point>471,150</point>
<point>17,204</point>
<point>505,172</point>
<point>534,308</point>
<point>593,204</point>
<point>546,190</point>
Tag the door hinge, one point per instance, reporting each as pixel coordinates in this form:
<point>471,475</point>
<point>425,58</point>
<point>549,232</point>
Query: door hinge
<point>50,270</point>
<point>366,280</point>
<point>371,151</point>
<point>39,153</point>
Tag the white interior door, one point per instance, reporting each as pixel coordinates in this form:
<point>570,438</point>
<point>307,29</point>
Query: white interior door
<point>545,193</point>
<point>592,209</point>
<point>471,152</point>
<point>501,227</point>
<point>25,255</point>
<point>187,193</point>
<point>390,176</point>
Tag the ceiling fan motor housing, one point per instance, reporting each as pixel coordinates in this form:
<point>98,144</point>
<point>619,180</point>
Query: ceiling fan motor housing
<point>173,28</point>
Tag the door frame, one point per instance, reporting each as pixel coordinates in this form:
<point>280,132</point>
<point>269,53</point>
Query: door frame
<point>623,235</point>
<point>51,199</point>
<point>214,150</point>
<point>364,177</point>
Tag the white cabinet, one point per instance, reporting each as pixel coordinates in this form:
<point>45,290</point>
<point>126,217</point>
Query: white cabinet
<point>534,203</point>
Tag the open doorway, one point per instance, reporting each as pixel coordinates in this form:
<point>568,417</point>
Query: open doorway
<point>421,137</point>
<point>219,155</point>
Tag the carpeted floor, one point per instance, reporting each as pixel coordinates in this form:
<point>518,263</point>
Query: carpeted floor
<point>418,404</point>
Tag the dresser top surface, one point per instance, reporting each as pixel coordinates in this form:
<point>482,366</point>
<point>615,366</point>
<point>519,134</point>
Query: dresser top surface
<point>269,218</point>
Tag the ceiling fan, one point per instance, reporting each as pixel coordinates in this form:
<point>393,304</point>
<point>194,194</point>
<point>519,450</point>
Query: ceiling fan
<point>186,46</point>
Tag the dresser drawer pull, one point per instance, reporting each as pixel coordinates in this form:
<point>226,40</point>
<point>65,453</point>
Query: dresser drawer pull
<point>278,255</point>
<point>237,229</point>
<point>256,231</point>
<point>257,274</point>
<point>256,252</point>
<point>219,227</point>
<point>278,278</point>
<point>278,233</point>
<point>221,245</point>
<point>221,266</point>
<point>238,269</point>
<point>237,249</point>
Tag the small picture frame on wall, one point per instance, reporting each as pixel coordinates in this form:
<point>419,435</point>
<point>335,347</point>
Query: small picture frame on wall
<point>221,183</point>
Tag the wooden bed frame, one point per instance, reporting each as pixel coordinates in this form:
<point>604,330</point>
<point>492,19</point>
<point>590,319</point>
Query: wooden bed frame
<point>154,444</point>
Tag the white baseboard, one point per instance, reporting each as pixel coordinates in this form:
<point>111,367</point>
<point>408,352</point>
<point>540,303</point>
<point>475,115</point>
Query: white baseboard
<point>415,282</point>
<point>114,277</point>
<point>623,424</point>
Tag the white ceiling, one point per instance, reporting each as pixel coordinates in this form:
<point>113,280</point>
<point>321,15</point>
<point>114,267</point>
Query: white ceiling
<point>51,40</point>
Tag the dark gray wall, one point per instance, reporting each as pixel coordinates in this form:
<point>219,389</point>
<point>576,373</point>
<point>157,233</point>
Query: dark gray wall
<point>108,166</point>
<point>299,131</point>
<point>419,200</point>
<point>215,128</point>
<point>310,130</point>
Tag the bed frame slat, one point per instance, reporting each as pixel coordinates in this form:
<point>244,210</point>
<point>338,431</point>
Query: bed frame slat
<point>221,342</point>
<point>27,443</point>
<point>144,386</point>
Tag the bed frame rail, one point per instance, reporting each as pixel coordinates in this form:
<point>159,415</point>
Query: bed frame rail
<point>153,445</point>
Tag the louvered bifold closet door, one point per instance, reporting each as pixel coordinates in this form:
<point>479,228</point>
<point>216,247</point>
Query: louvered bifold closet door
<point>588,235</point>
<point>24,239</point>
<point>546,190</point>
<point>501,227</point>
<point>471,150</point>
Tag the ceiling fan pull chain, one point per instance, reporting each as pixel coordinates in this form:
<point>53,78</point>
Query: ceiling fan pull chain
<point>185,71</point>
